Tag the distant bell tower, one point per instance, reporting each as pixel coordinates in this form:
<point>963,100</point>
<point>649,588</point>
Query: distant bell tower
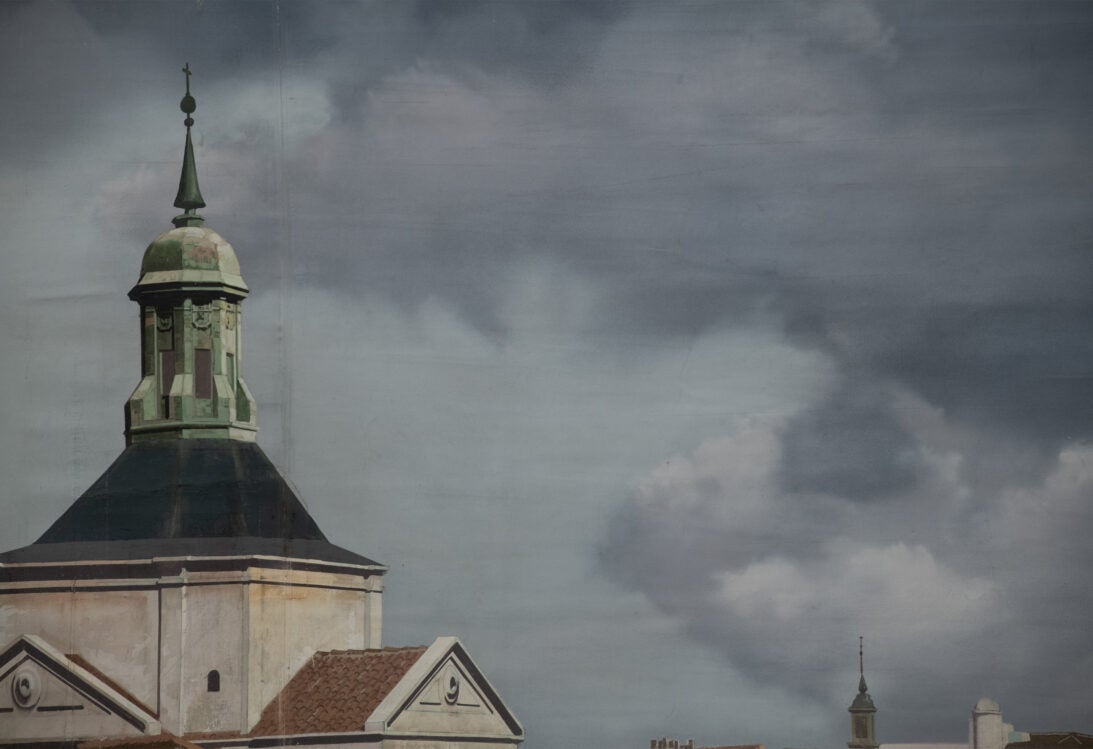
<point>190,293</point>
<point>862,711</point>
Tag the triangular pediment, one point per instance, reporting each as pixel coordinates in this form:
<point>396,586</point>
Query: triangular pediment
<point>451,688</point>
<point>46,695</point>
<point>445,694</point>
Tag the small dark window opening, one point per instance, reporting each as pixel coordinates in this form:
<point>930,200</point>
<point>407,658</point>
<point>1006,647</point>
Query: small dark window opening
<point>214,681</point>
<point>203,373</point>
<point>167,378</point>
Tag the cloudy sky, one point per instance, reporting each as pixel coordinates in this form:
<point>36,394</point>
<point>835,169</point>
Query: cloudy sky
<point>661,349</point>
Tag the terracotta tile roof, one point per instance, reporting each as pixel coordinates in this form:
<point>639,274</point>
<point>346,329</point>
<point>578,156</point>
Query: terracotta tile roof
<point>162,741</point>
<point>79,660</point>
<point>335,691</point>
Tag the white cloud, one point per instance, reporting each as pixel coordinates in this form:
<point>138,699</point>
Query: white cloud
<point>900,594</point>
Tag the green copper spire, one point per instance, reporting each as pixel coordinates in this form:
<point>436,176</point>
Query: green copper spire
<point>189,194</point>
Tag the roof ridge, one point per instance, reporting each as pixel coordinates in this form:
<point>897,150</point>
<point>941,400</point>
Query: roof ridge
<point>371,651</point>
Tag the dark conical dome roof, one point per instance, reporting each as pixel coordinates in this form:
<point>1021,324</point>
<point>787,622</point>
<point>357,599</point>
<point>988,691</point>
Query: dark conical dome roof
<point>189,496</point>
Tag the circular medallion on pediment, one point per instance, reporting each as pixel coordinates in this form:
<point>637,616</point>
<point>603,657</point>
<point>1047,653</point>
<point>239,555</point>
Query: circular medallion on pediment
<point>26,688</point>
<point>451,691</point>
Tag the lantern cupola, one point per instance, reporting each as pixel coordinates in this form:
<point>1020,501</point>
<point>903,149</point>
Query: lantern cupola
<point>190,293</point>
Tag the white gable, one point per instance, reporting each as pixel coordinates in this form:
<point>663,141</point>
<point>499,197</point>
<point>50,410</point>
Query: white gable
<point>45,695</point>
<point>444,695</point>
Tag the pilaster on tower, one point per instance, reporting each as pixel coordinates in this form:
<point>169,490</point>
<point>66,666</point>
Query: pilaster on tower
<point>190,294</point>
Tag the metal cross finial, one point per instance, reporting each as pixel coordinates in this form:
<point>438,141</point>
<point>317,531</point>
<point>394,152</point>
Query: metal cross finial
<point>861,656</point>
<point>188,105</point>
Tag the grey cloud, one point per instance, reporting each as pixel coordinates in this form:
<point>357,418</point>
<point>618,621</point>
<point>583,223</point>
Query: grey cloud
<point>850,445</point>
<point>1014,370</point>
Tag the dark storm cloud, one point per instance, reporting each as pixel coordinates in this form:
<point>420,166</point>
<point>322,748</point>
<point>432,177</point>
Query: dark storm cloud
<point>545,40</point>
<point>850,445</point>
<point>1019,367</point>
<point>540,43</point>
<point>1013,369</point>
<point>232,39</point>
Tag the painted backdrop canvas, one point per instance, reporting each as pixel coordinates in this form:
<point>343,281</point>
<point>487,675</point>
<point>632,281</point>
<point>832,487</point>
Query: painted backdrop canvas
<point>660,349</point>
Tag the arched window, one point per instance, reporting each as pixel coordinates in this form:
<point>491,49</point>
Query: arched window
<point>214,681</point>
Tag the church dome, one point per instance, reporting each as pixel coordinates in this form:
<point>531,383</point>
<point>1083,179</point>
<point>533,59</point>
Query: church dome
<point>190,255</point>
<point>987,705</point>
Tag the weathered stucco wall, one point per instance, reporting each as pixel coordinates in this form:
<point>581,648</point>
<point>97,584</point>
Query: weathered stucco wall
<point>115,630</point>
<point>159,638</point>
<point>203,629</point>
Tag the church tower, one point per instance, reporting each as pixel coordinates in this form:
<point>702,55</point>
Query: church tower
<point>862,712</point>
<point>189,593</point>
<point>190,569</point>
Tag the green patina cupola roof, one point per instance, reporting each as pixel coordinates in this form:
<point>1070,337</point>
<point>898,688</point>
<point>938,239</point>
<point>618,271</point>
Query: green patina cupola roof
<point>189,256</point>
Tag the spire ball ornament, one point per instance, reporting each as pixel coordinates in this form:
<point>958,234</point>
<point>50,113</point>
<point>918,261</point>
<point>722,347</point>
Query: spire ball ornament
<point>188,105</point>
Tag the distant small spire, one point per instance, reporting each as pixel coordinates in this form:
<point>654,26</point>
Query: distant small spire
<point>862,710</point>
<point>189,194</point>
<point>861,665</point>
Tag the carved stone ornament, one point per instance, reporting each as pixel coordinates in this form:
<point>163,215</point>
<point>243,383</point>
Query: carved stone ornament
<point>451,692</point>
<point>26,690</point>
<point>229,318</point>
<point>203,317</point>
<point>164,321</point>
